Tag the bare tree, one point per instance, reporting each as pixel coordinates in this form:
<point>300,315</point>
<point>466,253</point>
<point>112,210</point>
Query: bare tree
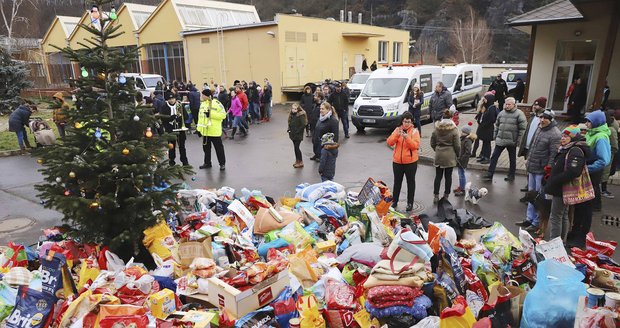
<point>471,38</point>
<point>10,16</point>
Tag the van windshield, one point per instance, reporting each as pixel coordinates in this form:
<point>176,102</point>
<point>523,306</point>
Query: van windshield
<point>384,87</point>
<point>359,78</point>
<point>448,80</point>
<point>151,82</point>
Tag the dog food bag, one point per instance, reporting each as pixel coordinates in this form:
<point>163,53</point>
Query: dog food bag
<point>33,309</point>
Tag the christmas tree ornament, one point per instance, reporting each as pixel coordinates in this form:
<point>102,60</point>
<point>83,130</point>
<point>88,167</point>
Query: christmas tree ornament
<point>67,192</point>
<point>148,133</point>
<point>170,146</point>
<point>98,133</point>
<point>122,79</point>
<point>136,118</point>
<point>84,72</point>
<point>93,205</point>
<point>40,160</point>
<point>193,178</point>
<point>125,151</point>
<point>78,125</point>
<point>42,202</point>
<point>101,76</point>
<point>153,158</point>
<point>72,175</point>
<point>113,15</point>
<point>58,179</point>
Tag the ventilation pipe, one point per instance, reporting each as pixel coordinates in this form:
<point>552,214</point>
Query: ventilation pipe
<point>359,18</point>
<point>342,15</point>
<point>350,16</point>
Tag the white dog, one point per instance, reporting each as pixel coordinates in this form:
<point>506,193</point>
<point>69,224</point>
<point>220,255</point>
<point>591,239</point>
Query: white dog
<point>473,194</point>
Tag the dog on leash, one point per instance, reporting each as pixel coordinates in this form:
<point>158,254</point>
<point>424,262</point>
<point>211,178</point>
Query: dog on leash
<point>543,208</point>
<point>473,194</point>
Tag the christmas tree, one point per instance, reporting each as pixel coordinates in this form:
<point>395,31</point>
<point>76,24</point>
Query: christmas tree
<point>110,173</point>
<point>13,78</point>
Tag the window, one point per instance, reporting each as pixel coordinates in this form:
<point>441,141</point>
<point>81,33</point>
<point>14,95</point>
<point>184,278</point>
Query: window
<point>396,53</point>
<point>166,59</point>
<point>140,84</point>
<point>426,83</point>
<point>204,40</point>
<point>383,52</point>
<point>141,17</point>
<point>469,78</point>
<point>384,87</point>
<point>459,83</point>
<point>196,16</point>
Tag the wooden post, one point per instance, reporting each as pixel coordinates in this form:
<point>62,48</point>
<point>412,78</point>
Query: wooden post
<point>612,33</point>
<point>529,63</point>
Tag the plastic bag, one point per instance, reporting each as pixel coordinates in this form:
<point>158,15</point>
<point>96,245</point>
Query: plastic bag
<point>89,271</point>
<point>339,296</point>
<point>284,307</point>
<point>499,236</point>
<point>158,239</point>
<point>33,309</point>
<point>263,317</point>
<point>330,208</point>
<point>15,256</point>
<point>8,296</point>
<point>164,268</point>
<point>295,234</point>
<point>457,316</point>
<point>451,265</point>
<point>309,314</point>
<point>554,249</point>
<point>604,247</point>
<point>428,322</point>
<point>327,189</point>
<point>553,300</point>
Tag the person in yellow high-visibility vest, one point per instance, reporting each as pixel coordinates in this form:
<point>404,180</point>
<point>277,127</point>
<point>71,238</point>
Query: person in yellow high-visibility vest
<point>210,117</point>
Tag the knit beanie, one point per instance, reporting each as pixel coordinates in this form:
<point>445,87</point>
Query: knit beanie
<point>541,101</point>
<point>467,128</point>
<point>572,131</point>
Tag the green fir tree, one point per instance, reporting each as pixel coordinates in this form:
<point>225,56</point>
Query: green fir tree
<point>13,78</point>
<point>109,174</point>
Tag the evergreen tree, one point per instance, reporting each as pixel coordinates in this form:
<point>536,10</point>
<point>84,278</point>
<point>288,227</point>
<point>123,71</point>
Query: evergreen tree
<point>109,175</point>
<point>13,78</point>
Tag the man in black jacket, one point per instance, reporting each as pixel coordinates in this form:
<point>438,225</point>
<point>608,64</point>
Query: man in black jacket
<point>340,101</point>
<point>501,90</point>
<point>194,101</point>
<point>172,115</point>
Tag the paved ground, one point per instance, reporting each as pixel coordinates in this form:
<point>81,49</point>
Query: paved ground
<point>264,161</point>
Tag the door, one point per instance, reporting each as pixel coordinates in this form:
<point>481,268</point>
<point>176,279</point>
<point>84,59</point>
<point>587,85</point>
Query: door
<point>290,71</point>
<point>358,62</point>
<point>565,72</point>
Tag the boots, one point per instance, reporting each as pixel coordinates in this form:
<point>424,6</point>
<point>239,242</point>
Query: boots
<point>298,164</point>
<point>232,135</point>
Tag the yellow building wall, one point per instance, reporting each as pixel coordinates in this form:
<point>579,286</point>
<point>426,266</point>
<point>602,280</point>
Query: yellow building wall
<point>331,55</point>
<point>163,26</point>
<point>547,37</point>
<point>127,37</point>
<point>251,55</point>
<point>56,36</point>
<point>80,34</point>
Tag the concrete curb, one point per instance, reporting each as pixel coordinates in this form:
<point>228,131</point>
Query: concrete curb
<point>476,166</point>
<point>8,153</point>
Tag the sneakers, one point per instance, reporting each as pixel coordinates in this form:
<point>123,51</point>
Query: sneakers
<point>222,168</point>
<point>485,161</point>
<point>205,166</point>
<point>409,207</point>
<point>524,189</point>
<point>436,199</point>
<point>532,229</point>
<point>524,223</point>
<point>509,178</point>
<point>607,194</point>
<point>487,177</point>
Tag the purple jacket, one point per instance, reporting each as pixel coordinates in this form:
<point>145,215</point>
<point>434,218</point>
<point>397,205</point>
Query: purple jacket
<point>235,107</point>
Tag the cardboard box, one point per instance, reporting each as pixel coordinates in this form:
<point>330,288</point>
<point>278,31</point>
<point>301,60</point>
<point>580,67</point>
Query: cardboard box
<point>189,250</point>
<point>162,303</point>
<point>200,319</point>
<point>474,234</point>
<point>326,246</point>
<point>240,303</point>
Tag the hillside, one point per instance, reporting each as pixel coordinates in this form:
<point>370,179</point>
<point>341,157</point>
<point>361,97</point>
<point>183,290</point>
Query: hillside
<point>429,22</point>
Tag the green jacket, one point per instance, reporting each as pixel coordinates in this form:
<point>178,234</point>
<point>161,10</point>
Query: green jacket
<point>211,126</point>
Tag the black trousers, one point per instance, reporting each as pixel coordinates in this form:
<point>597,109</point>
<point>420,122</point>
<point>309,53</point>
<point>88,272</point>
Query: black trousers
<point>296,144</point>
<point>219,149</point>
<point>195,115</point>
<point>439,174</point>
<point>486,149</point>
<point>401,170</point>
<point>178,143</point>
<point>596,178</point>
<point>582,220</point>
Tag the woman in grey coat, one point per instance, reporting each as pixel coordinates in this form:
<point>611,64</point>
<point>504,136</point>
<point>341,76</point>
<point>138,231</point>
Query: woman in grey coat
<point>446,143</point>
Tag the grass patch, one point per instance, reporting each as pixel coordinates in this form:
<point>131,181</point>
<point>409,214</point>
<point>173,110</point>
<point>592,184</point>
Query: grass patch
<point>8,140</point>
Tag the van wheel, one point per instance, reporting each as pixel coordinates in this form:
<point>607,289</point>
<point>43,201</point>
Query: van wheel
<point>474,103</point>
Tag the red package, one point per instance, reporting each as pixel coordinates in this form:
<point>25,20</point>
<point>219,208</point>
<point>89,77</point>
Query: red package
<point>137,321</point>
<point>339,296</point>
<point>16,255</point>
<point>475,285</point>
<point>341,319</point>
<point>600,246</point>
<point>524,268</point>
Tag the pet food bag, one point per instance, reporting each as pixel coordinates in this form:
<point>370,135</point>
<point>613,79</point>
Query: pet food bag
<point>33,309</point>
<point>158,239</point>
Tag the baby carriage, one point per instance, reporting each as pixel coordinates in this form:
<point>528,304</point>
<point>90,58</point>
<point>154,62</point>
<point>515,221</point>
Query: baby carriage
<point>43,133</point>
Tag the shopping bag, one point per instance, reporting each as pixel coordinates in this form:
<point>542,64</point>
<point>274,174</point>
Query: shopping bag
<point>159,239</point>
<point>457,316</point>
<point>579,189</point>
<point>554,249</point>
<point>269,219</point>
<point>89,271</point>
<point>517,297</point>
<point>309,314</point>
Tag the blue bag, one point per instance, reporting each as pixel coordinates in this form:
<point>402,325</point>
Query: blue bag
<point>553,300</point>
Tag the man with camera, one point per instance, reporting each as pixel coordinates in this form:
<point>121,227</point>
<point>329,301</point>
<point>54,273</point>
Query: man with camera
<point>210,117</point>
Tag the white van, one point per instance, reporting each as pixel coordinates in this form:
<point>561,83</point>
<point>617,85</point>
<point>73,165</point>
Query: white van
<point>384,97</point>
<point>356,84</point>
<point>464,81</point>
<point>511,77</point>
<point>145,83</point>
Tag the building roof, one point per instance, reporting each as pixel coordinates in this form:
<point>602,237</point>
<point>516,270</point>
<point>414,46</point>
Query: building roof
<point>138,13</point>
<point>204,14</point>
<point>228,28</point>
<point>560,10</point>
<point>68,23</point>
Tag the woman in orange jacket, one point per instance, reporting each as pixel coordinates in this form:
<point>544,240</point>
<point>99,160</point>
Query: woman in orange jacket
<point>406,141</point>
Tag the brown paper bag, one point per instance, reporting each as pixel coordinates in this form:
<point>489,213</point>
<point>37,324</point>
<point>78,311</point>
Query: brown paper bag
<point>189,250</point>
<point>265,221</point>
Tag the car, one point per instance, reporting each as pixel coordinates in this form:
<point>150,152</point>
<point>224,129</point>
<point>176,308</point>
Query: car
<point>464,81</point>
<point>145,83</point>
<point>384,97</point>
<point>356,85</point>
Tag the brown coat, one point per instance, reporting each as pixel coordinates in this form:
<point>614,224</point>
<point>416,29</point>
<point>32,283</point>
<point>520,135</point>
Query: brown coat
<point>446,143</point>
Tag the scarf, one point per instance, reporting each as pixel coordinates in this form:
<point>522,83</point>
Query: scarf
<point>596,134</point>
<point>323,118</point>
<point>173,108</point>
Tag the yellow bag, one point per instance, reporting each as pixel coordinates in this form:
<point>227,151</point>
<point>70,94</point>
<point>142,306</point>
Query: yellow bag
<point>88,271</point>
<point>363,320</point>
<point>159,239</point>
<point>457,316</point>
<point>302,270</point>
<point>289,201</point>
<point>309,315</point>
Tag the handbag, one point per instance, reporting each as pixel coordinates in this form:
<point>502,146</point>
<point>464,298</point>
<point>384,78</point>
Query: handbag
<point>578,190</point>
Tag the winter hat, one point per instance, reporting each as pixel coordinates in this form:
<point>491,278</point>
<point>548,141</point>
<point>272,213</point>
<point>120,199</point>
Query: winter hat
<point>467,128</point>
<point>169,95</point>
<point>597,118</point>
<point>541,101</point>
<point>327,139</point>
<point>490,97</point>
<point>572,131</point>
<point>206,92</point>
<point>548,113</point>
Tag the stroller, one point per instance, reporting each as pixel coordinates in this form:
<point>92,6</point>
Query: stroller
<point>43,133</point>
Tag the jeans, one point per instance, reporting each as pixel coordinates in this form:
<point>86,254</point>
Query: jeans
<point>558,219</point>
<point>22,138</point>
<point>512,156</point>
<point>244,120</point>
<point>439,174</point>
<point>254,109</point>
<point>534,183</point>
<point>268,109</point>
<point>296,144</point>
<point>344,118</point>
<point>486,149</point>
<point>238,122</point>
<point>180,142</point>
<point>417,122</point>
<point>61,129</point>
<point>219,149</point>
<point>408,170</point>
<point>462,178</point>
